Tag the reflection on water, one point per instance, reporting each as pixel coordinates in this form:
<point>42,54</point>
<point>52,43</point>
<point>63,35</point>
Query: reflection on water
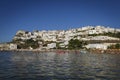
<point>54,66</point>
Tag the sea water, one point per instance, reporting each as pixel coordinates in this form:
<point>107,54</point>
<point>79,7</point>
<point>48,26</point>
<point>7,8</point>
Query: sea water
<point>59,66</point>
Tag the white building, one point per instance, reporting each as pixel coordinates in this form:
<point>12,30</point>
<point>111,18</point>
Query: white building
<point>103,46</point>
<point>92,32</point>
<point>12,46</point>
<point>103,38</point>
<point>51,45</point>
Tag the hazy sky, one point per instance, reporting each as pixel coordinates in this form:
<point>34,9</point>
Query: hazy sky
<point>55,15</point>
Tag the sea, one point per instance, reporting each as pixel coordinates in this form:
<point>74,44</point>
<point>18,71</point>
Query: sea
<point>59,66</point>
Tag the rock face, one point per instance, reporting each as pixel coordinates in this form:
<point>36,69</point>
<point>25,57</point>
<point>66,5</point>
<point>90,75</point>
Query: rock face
<point>62,37</point>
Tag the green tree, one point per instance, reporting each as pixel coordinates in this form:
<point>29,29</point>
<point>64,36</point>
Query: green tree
<point>116,46</point>
<point>32,43</point>
<point>75,44</point>
<point>28,43</point>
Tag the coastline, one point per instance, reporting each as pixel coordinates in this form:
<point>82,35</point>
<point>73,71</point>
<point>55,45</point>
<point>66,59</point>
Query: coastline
<point>37,50</point>
<point>99,51</point>
<point>109,51</point>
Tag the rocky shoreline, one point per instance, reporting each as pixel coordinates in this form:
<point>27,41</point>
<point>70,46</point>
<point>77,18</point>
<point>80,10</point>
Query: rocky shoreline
<point>109,51</point>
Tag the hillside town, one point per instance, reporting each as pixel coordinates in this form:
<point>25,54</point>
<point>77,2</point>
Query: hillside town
<point>96,37</point>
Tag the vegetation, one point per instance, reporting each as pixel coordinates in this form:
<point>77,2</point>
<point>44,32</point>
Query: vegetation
<point>115,34</point>
<point>58,45</point>
<point>76,44</point>
<point>26,44</point>
<point>116,46</point>
<point>16,41</point>
<point>95,34</point>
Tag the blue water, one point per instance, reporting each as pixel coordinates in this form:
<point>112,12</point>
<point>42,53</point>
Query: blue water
<point>63,66</point>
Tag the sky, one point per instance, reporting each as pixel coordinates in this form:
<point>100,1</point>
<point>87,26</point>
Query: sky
<point>30,15</point>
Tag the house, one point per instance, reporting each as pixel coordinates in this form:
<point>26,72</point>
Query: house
<point>51,45</point>
<point>12,46</point>
<point>97,46</point>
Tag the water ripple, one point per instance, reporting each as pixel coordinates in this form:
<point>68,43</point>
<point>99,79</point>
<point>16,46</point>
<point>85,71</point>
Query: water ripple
<point>53,66</point>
